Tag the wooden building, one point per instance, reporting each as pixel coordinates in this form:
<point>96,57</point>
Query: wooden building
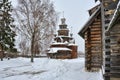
<point>63,46</point>
<point>92,34</point>
<point>59,53</point>
<point>108,8</point>
<point>107,36</point>
<point>113,42</point>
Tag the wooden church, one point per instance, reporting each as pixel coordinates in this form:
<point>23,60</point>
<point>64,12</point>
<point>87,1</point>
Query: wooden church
<point>63,45</point>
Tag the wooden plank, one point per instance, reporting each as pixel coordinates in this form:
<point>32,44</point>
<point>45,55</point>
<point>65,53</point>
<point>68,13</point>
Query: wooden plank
<point>114,36</point>
<point>116,29</point>
<point>115,54</point>
<point>115,59</point>
<point>115,64</point>
<point>115,74</point>
<point>114,78</point>
<point>95,39</point>
<point>95,31</point>
<point>114,45</point>
<point>114,33</point>
<point>96,61</point>
<point>96,35</point>
<point>99,41</point>
<point>97,22</point>
<point>96,45</point>
<point>96,28</point>
<point>96,42</point>
<point>112,42</point>
<point>95,52</point>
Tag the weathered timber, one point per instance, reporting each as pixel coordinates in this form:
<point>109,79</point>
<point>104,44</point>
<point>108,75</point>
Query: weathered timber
<point>96,26</point>
<point>114,49</point>
<point>97,38</point>
<point>96,33</point>
<point>96,42</point>
<point>97,23</point>
<point>92,33</point>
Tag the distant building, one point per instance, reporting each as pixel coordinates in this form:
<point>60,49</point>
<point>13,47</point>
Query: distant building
<point>63,46</point>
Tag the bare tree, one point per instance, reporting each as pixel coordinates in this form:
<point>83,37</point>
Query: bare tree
<point>23,47</point>
<point>37,21</point>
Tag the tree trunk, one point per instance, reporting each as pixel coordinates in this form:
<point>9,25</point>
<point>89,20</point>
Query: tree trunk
<point>32,49</point>
<point>1,59</point>
<point>1,54</point>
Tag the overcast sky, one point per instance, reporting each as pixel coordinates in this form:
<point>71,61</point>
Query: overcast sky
<point>76,14</point>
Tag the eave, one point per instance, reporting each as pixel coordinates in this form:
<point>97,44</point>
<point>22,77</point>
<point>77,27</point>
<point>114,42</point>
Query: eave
<point>115,17</point>
<point>93,9</point>
<point>89,22</point>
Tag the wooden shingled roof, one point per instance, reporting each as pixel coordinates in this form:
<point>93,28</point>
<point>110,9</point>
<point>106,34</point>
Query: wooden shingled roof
<point>116,17</point>
<point>89,22</point>
<point>93,9</point>
<point>108,4</point>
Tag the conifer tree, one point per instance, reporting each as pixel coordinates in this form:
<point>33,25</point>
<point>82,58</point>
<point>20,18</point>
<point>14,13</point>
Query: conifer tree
<point>7,35</point>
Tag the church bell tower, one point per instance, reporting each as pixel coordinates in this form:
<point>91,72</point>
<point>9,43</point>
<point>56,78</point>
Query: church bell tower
<point>63,30</point>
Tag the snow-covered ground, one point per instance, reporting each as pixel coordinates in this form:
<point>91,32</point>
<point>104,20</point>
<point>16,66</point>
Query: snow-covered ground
<point>45,69</point>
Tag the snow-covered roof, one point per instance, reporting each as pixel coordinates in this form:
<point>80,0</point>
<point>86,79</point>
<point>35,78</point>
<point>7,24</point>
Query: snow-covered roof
<point>55,49</point>
<point>64,36</point>
<point>60,43</point>
<point>72,44</point>
<point>64,29</point>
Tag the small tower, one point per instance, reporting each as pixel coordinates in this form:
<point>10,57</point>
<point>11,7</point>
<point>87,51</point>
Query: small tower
<point>63,30</point>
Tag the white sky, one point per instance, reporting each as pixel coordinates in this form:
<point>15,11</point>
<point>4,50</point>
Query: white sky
<point>76,14</point>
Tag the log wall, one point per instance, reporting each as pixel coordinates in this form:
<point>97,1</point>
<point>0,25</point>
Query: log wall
<point>109,8</point>
<point>114,53</point>
<point>93,46</point>
<point>74,51</point>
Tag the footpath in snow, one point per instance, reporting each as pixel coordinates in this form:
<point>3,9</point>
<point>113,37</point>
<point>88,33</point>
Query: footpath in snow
<point>46,69</point>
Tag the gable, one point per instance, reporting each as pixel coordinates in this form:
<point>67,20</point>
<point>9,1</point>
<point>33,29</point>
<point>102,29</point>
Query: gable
<point>90,21</point>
